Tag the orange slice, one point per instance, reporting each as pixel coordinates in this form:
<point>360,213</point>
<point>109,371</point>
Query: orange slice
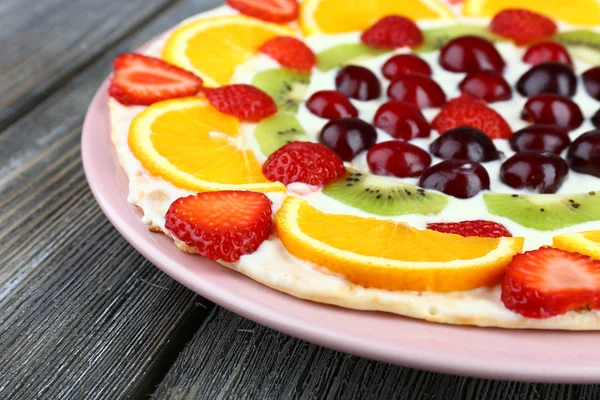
<point>192,145</point>
<point>578,12</point>
<point>337,16</point>
<point>391,255</point>
<point>587,243</point>
<point>213,47</point>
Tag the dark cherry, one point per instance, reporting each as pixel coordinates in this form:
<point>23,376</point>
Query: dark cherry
<point>540,138</point>
<point>584,154</point>
<point>348,136</point>
<point>465,143</point>
<point>405,64</point>
<point>471,54</point>
<point>552,109</point>
<point>596,119</point>
<point>402,120</point>
<point>358,83</point>
<point>396,158</point>
<point>548,77</point>
<point>547,51</point>
<point>543,172</point>
<point>487,85</point>
<point>331,104</point>
<point>417,89</point>
<point>458,178</point>
<point>591,82</point>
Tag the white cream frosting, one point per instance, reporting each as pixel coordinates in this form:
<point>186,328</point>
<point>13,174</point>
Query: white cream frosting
<point>272,265</point>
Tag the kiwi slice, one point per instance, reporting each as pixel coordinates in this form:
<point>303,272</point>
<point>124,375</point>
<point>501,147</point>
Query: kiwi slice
<point>273,132</point>
<point>345,53</point>
<point>287,88</point>
<point>582,44</point>
<point>384,196</point>
<point>545,212</point>
<point>436,38</point>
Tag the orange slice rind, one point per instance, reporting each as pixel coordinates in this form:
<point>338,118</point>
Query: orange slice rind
<point>212,48</point>
<point>586,243</point>
<point>577,12</point>
<point>338,16</point>
<point>391,255</point>
<point>194,146</point>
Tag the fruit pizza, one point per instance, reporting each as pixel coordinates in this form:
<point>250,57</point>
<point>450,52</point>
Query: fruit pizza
<point>437,160</point>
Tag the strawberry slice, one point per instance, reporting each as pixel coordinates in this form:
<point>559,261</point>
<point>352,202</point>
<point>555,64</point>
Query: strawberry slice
<point>311,163</point>
<point>221,225</point>
<point>478,227</point>
<point>523,26</point>
<point>547,282</point>
<point>290,52</point>
<point>244,102</point>
<point>278,11</point>
<point>391,32</point>
<point>142,80</point>
<point>469,111</point>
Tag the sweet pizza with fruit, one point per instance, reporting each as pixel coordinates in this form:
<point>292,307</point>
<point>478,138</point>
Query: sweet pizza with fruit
<point>429,159</point>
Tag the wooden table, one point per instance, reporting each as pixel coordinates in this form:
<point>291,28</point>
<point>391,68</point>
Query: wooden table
<point>82,314</point>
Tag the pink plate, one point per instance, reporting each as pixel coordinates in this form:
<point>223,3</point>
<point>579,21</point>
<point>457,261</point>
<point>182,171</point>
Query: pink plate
<point>544,356</point>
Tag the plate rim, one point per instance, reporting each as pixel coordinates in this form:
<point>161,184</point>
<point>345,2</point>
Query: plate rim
<point>458,364</point>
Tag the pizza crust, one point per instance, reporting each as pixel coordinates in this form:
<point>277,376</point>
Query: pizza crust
<point>274,267</point>
<point>480,307</point>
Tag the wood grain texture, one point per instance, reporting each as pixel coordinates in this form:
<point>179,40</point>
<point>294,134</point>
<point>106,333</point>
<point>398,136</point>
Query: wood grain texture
<point>82,314</point>
<point>45,43</point>
<point>231,357</point>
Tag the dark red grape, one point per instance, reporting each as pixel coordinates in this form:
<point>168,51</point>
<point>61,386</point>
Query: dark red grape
<point>464,143</point>
<point>417,89</point>
<point>552,109</point>
<point>591,82</point>
<point>471,54</point>
<point>458,178</point>
<point>596,119</point>
<point>402,120</point>
<point>331,104</point>
<point>584,154</point>
<point>543,172</point>
<point>548,77</point>
<point>358,83</point>
<point>348,136</point>
<point>487,85</point>
<point>396,158</point>
<point>402,64</point>
<point>540,138</point>
<point>547,51</point>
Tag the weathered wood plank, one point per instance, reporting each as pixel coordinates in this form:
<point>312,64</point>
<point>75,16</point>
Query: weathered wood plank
<point>231,357</point>
<point>82,314</point>
<point>34,137</point>
<point>45,43</point>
